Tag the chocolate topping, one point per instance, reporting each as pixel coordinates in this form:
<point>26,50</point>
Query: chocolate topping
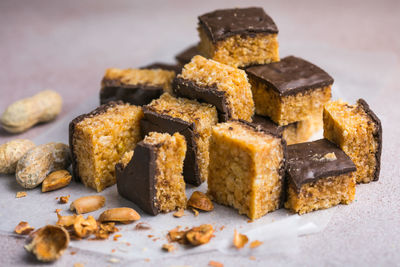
<point>137,181</point>
<point>378,136</point>
<point>308,162</point>
<point>164,66</point>
<point>291,75</point>
<point>221,24</point>
<point>155,122</point>
<point>100,110</point>
<point>135,94</point>
<point>186,55</point>
<point>208,94</point>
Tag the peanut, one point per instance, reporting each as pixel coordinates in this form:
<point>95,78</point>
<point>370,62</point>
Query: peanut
<point>38,162</point>
<point>49,243</point>
<point>200,201</point>
<point>87,204</point>
<point>23,114</point>
<point>56,180</point>
<point>239,240</point>
<point>11,152</point>
<point>122,215</point>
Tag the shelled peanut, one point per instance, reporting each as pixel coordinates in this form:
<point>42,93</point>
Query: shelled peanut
<point>25,113</point>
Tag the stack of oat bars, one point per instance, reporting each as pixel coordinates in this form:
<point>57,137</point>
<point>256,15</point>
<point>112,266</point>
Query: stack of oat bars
<point>231,113</point>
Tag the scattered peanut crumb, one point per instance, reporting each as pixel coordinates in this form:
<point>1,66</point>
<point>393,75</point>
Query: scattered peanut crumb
<point>21,194</point>
<point>113,260</point>
<point>58,211</point>
<point>150,236</point>
<point>239,240</point>
<point>196,212</point>
<point>255,244</point>
<point>72,252</point>
<point>215,264</point>
<point>147,260</point>
<point>79,265</point>
<point>64,199</point>
<point>23,228</point>
<point>222,227</point>
<point>200,201</point>
<point>179,213</point>
<point>142,226</point>
<point>168,247</point>
<point>250,221</point>
<point>330,156</point>
<point>252,258</point>
<point>116,237</point>
<point>113,250</point>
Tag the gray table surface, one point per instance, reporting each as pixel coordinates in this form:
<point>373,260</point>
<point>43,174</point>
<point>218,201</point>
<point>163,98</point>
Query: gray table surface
<point>67,45</point>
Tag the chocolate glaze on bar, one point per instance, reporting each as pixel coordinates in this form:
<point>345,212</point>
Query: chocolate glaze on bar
<point>208,94</point>
<point>98,111</point>
<point>306,162</point>
<point>137,181</point>
<point>378,136</point>
<point>224,23</point>
<point>271,131</point>
<point>135,94</point>
<point>290,76</point>
<point>164,66</point>
<point>186,55</point>
<point>155,122</point>
<point>268,125</point>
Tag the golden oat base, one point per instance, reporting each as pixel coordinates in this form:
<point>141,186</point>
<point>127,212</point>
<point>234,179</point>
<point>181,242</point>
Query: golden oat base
<point>244,169</point>
<point>302,131</point>
<point>240,51</point>
<point>100,141</point>
<point>322,194</point>
<point>353,131</point>
<point>232,81</point>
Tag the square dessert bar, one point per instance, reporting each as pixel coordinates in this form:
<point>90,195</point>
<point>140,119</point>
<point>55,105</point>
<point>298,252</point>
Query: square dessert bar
<point>246,169</point>
<point>296,132</point>
<point>191,119</point>
<point>151,175</point>
<point>99,139</point>
<point>225,87</point>
<point>186,55</point>
<point>239,37</point>
<point>358,131</point>
<point>135,86</point>
<point>320,176</point>
<point>290,90</point>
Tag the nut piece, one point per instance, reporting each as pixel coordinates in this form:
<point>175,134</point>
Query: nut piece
<point>84,227</point>
<point>239,240</point>
<point>200,201</point>
<point>11,152</point>
<point>177,236</point>
<point>255,244</point>
<point>23,228</point>
<point>49,243</point>
<point>56,180</point>
<point>64,199</point>
<point>21,194</point>
<point>87,204</point>
<point>179,213</point>
<point>142,226</point>
<point>66,221</point>
<point>38,162</point>
<point>105,230</point>
<point>122,215</point>
<point>23,114</point>
<point>200,235</point>
<point>215,264</point>
<point>168,247</point>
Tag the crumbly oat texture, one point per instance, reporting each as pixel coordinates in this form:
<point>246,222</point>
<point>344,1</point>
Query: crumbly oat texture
<point>99,140</point>
<point>203,116</point>
<point>232,81</point>
<point>302,131</point>
<point>322,194</point>
<point>245,169</point>
<point>358,133</point>
<point>286,109</point>
<point>239,51</point>
<point>151,77</point>
<point>170,186</point>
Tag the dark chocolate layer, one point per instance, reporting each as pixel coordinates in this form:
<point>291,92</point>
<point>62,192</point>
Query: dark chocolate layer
<point>155,122</point>
<point>137,94</point>
<point>207,94</point>
<point>290,76</point>
<point>164,66</point>
<point>378,136</point>
<point>221,24</point>
<point>306,162</point>
<point>186,55</point>
<point>98,111</point>
<point>137,181</point>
